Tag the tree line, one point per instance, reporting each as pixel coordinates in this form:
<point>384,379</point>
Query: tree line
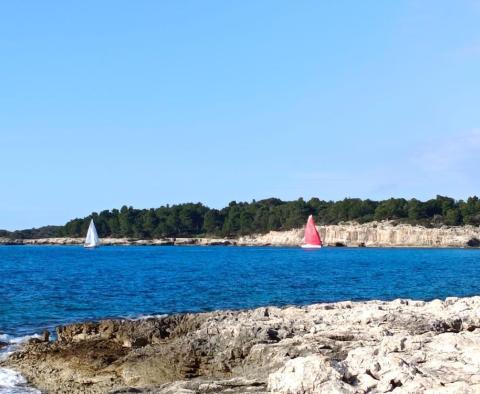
<point>243,218</point>
<point>32,233</point>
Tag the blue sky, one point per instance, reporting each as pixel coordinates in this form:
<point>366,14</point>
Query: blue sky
<point>146,103</point>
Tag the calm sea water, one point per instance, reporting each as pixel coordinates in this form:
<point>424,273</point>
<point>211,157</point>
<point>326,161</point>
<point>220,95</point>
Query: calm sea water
<point>41,287</point>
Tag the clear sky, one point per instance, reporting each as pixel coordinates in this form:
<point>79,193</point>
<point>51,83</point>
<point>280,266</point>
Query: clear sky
<point>144,103</point>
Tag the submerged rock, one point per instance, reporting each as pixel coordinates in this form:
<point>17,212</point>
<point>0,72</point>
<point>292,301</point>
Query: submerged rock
<point>401,346</point>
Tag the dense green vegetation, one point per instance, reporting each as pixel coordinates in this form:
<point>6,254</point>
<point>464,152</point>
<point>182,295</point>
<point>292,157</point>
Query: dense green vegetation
<point>33,233</point>
<point>261,216</point>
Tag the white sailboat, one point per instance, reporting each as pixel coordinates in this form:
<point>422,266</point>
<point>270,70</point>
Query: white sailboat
<point>92,240</point>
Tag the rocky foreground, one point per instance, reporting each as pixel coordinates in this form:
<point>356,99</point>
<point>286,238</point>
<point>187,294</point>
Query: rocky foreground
<point>349,347</point>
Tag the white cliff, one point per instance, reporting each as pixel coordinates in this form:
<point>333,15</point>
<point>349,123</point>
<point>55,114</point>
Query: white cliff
<point>379,234</point>
<point>382,234</point>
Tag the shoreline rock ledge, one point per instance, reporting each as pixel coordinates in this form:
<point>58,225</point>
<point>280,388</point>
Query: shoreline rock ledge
<point>372,234</point>
<point>401,346</point>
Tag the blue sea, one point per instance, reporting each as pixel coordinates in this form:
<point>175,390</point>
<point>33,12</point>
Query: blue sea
<point>44,286</point>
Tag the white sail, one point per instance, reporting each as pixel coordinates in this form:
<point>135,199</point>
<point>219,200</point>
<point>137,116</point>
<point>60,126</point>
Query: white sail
<point>92,239</point>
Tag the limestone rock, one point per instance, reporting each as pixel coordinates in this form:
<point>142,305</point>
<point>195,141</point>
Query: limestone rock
<point>381,234</point>
<point>402,346</point>
<point>308,375</point>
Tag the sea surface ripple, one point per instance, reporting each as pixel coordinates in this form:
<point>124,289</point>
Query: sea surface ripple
<point>44,286</point>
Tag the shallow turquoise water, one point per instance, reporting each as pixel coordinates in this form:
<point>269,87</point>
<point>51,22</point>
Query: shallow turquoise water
<point>43,286</point>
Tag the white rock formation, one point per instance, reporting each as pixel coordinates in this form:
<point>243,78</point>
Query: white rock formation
<point>383,234</point>
<point>401,346</point>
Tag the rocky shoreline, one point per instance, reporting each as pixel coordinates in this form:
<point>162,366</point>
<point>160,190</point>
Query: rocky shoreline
<point>123,241</point>
<point>373,234</point>
<point>401,346</point>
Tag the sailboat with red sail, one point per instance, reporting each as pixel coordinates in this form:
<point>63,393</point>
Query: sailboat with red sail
<point>312,238</point>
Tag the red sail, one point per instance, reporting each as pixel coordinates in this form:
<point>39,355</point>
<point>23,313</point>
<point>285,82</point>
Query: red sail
<point>311,234</point>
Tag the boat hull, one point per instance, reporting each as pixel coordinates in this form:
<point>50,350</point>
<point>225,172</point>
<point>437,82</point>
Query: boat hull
<point>90,246</point>
<point>310,246</point>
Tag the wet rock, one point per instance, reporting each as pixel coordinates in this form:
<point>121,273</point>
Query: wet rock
<point>46,336</point>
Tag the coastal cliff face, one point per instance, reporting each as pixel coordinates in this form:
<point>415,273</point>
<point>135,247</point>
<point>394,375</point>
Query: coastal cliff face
<point>379,234</point>
<point>383,234</point>
<point>349,347</point>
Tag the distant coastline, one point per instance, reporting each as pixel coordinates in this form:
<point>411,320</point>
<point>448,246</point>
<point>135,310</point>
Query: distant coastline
<point>241,219</point>
<point>373,234</point>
